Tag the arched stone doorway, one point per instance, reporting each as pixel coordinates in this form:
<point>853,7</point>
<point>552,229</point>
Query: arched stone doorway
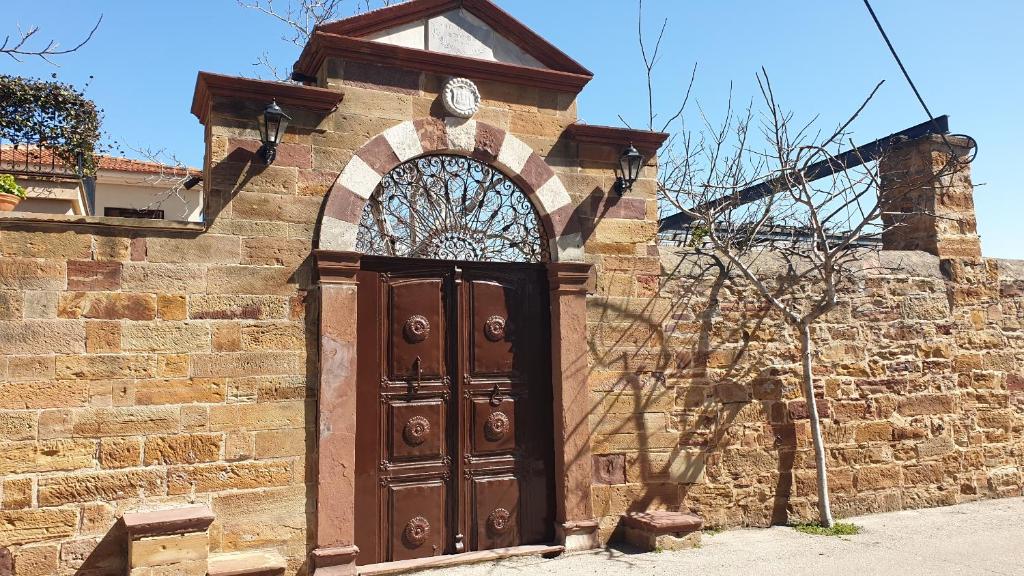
<point>340,263</point>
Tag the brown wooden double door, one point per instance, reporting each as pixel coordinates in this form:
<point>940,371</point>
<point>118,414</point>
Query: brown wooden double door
<point>454,435</point>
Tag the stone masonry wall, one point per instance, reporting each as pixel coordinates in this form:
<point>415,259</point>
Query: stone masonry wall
<point>702,408</point>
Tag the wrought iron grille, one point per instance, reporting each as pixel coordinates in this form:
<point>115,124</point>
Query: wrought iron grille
<point>448,207</point>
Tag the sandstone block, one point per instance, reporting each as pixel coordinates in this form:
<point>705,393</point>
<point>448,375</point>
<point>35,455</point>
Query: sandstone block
<point>17,493</point>
<point>38,395</point>
<point>172,366</point>
<point>271,416</point>
<point>228,365</point>
<point>87,275</point>
<point>274,336</point>
<point>102,336</point>
<point>193,390</point>
<point>274,208</point>
<point>878,477</point>
<point>173,549</point>
<point>11,304</point>
<point>41,337</point>
<point>874,432</point>
<point>925,404</point>
<point>260,519</point>
<point>265,251</point>
<point>185,278</point>
<point>172,307</point>
<point>239,445</point>
<point>126,421</point>
<point>69,245</point>
<point>100,367</point>
<point>107,305</point>
<point>282,443</point>
<point>25,526</point>
<point>17,426</point>
<point>40,305</point>
<point>120,452</point>
<point>183,449</point>
<point>270,280</point>
<point>227,337</point>
<point>42,560</point>
<point>55,424</point>
<point>203,249</point>
<point>166,336</point>
<point>102,486</point>
<point>231,307</point>
<point>236,476</point>
<point>28,274</point>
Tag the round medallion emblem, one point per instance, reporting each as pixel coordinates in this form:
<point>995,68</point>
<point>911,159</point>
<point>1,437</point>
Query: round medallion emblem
<point>416,531</point>
<point>498,520</point>
<point>461,98</point>
<point>416,430</point>
<point>417,328</point>
<point>494,328</point>
<point>496,427</point>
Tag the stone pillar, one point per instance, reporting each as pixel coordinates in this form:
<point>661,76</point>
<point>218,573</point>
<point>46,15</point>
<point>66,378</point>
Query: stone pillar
<point>928,198</point>
<point>575,522</point>
<point>335,553</point>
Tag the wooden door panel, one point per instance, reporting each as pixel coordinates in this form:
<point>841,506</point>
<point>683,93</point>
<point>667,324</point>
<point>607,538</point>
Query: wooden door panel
<point>418,331</point>
<point>417,520</point>
<point>493,426</point>
<point>417,430</point>
<point>492,329</point>
<point>496,511</point>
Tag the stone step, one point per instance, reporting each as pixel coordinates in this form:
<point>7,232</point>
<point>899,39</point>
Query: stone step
<point>256,563</point>
<point>662,530</point>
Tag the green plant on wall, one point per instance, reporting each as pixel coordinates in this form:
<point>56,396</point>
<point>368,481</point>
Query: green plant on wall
<point>9,186</point>
<point>52,115</point>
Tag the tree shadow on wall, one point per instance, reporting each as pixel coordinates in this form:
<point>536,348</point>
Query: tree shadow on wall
<point>672,350</point>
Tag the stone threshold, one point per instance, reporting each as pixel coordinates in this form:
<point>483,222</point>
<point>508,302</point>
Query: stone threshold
<point>403,566</point>
<point>66,220</point>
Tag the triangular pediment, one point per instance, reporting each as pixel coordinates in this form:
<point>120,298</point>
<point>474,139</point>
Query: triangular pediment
<point>476,29</point>
<point>460,33</point>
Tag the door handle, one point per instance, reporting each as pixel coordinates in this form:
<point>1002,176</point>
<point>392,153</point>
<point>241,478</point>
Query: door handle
<point>418,366</point>
<point>496,396</point>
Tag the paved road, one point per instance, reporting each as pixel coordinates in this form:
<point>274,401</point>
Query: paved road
<point>977,539</point>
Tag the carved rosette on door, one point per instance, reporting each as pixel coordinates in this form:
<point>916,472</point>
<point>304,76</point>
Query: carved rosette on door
<point>458,430</point>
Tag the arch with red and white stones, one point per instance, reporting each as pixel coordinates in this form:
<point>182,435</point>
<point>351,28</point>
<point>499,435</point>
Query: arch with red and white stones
<point>338,263</point>
<point>339,227</point>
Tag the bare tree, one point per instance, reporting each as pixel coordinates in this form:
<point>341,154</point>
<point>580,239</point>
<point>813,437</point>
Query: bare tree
<point>801,238</point>
<point>300,18</point>
<point>21,47</point>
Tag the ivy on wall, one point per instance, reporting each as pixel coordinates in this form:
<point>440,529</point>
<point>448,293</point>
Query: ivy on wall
<point>52,115</point>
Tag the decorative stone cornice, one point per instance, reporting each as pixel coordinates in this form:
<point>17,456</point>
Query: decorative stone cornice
<point>209,85</point>
<point>646,142</point>
<point>569,277</point>
<point>337,267</point>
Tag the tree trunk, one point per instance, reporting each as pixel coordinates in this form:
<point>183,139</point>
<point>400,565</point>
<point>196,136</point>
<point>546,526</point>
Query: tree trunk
<point>806,348</point>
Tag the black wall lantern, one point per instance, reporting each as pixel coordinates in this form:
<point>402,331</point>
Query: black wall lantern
<point>272,125</point>
<point>630,164</point>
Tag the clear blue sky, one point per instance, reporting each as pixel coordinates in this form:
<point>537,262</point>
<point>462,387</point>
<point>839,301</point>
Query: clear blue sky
<point>823,58</point>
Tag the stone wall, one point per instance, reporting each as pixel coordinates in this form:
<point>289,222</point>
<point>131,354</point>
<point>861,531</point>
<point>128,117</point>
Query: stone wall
<point>698,402</point>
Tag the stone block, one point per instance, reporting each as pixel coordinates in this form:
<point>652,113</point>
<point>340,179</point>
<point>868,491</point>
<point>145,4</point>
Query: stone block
<point>204,249</point>
<point>237,364</point>
<point>17,493</point>
<point>270,416</point>
<point>17,426</point>
<point>171,550</point>
<point>40,305</point>
<point>182,449</point>
<point>88,275</point>
<point>107,305</point>
<point>183,278</point>
<point>11,305</point>
<point>166,336</point>
<point>265,251</point>
<point>234,476</point>
<point>227,337</point>
<point>120,452</point>
<point>126,421</point>
<point>69,245</point>
<point>102,336</point>
<point>190,391</point>
<point>282,443</point>
<point>274,336</point>
<point>30,274</point>
<point>102,486</point>
<point>926,404</point>
<point>172,307</point>
<point>610,469</point>
<point>100,367</point>
<point>41,337</point>
<point>234,307</point>
<point>34,395</point>
<point>41,560</point>
<point>269,280</point>
<point>26,526</point>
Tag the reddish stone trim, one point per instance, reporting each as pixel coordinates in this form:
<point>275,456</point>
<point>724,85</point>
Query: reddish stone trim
<point>492,15</point>
<point>167,522</point>
<point>209,85</point>
<point>337,267</point>
<point>323,45</point>
<point>378,154</point>
<point>645,141</point>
